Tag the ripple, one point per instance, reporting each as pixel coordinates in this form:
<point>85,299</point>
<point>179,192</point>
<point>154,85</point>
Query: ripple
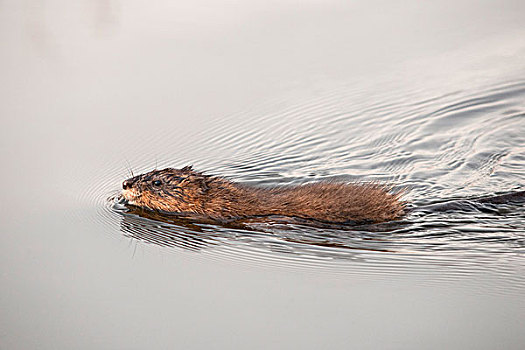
<point>458,144</point>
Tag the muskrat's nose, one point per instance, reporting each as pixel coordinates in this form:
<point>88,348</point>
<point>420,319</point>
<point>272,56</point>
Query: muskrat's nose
<point>126,184</point>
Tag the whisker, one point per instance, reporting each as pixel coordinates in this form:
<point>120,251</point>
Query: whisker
<point>129,168</point>
<point>135,249</point>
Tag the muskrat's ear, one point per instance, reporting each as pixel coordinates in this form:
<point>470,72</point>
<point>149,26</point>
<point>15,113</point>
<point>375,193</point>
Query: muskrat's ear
<point>187,168</point>
<point>202,181</point>
<point>204,184</point>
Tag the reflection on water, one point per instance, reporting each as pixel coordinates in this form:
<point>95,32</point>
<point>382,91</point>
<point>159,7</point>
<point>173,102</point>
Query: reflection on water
<point>452,234</point>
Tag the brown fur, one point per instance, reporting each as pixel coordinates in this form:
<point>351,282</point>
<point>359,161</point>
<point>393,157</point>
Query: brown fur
<point>190,192</point>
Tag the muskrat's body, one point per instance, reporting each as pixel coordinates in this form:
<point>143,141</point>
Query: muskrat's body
<point>189,192</point>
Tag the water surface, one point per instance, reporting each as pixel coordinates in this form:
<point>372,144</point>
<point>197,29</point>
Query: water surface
<point>427,97</point>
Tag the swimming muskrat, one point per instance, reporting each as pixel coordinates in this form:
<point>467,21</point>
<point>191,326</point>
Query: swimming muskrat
<point>188,192</point>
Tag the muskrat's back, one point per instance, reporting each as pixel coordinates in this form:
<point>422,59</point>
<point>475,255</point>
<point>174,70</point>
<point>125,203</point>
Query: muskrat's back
<point>190,192</point>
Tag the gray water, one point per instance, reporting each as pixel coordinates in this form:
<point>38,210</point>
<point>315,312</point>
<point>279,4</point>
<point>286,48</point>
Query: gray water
<point>428,97</point>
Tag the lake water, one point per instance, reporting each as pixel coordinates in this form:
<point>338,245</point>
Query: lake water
<point>429,97</point>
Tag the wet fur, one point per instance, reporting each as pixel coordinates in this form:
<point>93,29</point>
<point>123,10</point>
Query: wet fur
<point>189,192</point>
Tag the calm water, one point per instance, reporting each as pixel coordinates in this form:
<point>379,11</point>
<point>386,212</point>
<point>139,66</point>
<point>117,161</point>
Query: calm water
<point>427,97</point>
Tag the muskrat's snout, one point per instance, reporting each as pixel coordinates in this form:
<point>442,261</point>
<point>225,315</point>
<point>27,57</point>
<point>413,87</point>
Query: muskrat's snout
<point>130,192</point>
<point>126,184</point>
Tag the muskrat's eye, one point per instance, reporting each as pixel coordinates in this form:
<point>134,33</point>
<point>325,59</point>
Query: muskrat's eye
<point>157,183</point>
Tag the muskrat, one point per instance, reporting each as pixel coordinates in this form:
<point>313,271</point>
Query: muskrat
<point>188,192</point>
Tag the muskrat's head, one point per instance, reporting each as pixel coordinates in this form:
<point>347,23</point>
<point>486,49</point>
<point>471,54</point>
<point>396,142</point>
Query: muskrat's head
<point>172,190</point>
